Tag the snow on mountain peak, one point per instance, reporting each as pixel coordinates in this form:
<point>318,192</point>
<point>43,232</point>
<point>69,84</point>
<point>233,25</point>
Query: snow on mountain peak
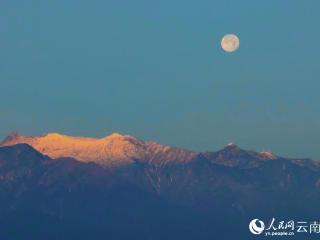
<point>231,146</point>
<point>267,155</point>
<point>118,149</point>
<point>115,136</point>
<point>114,149</point>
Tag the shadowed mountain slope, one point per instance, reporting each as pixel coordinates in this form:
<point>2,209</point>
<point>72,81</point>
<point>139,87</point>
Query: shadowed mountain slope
<point>214,194</point>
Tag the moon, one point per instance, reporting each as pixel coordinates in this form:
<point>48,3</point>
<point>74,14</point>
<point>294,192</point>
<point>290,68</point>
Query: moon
<point>230,43</point>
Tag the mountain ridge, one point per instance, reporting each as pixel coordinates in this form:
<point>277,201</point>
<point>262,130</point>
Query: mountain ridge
<point>112,150</point>
<point>208,191</point>
<point>117,150</point>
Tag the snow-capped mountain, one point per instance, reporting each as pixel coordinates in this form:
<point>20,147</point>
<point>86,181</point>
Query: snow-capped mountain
<point>46,196</point>
<point>112,150</point>
<point>232,155</point>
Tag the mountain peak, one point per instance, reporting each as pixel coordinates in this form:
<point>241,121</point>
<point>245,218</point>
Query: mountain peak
<point>267,155</point>
<point>13,135</point>
<point>231,146</point>
<point>22,150</point>
<point>54,135</point>
<point>115,136</point>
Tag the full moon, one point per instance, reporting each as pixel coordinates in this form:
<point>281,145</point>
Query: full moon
<point>230,43</point>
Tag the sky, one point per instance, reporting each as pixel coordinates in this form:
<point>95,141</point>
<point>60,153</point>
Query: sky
<point>155,70</point>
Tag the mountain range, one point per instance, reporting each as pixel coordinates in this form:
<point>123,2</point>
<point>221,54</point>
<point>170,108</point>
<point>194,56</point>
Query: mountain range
<point>113,150</point>
<point>119,187</point>
<point>120,150</point>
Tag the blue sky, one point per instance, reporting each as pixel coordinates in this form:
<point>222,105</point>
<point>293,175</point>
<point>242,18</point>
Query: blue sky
<point>155,70</point>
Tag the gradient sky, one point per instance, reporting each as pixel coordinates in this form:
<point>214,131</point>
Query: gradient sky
<point>155,70</point>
